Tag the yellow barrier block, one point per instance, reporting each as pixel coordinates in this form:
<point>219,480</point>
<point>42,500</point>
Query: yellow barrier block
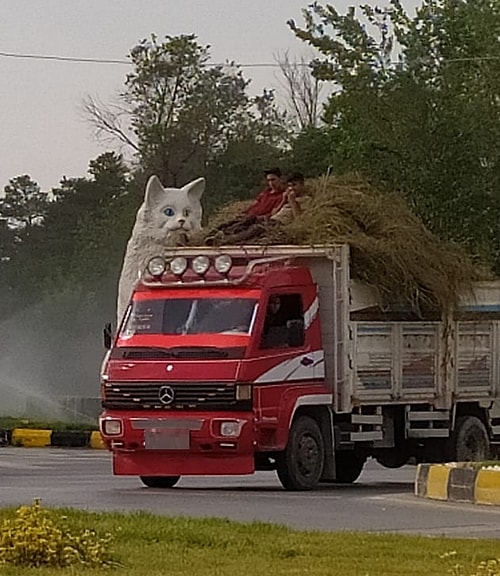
<point>96,440</point>
<point>437,482</point>
<point>487,489</point>
<point>31,438</point>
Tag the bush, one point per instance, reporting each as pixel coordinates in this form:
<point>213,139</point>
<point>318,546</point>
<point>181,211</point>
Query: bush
<point>33,539</point>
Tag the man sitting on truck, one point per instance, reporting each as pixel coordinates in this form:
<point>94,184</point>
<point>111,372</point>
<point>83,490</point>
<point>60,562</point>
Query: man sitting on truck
<point>257,220</point>
<point>295,200</point>
<point>272,198</point>
<point>250,223</point>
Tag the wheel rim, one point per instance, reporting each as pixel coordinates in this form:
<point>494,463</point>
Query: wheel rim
<point>307,456</point>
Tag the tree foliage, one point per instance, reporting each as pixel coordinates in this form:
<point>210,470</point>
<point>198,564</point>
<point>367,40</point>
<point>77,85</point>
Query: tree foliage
<point>78,239</point>
<point>416,106</point>
<point>186,116</point>
<point>24,205</point>
<point>182,110</point>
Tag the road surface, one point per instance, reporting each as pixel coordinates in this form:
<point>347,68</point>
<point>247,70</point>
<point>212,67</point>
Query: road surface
<point>381,501</point>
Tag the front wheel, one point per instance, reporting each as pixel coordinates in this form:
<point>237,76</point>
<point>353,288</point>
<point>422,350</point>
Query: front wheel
<point>160,481</point>
<point>300,465</point>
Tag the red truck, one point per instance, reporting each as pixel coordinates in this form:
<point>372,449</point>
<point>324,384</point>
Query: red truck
<point>236,359</point>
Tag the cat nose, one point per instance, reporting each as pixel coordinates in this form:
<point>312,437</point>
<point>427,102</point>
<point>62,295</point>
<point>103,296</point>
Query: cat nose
<point>181,220</point>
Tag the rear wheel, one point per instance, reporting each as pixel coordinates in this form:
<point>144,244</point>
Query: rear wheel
<point>470,441</point>
<point>392,457</point>
<point>160,481</point>
<point>300,465</point>
<point>348,466</point>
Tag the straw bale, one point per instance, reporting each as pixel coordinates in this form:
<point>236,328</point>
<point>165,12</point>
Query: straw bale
<point>390,247</point>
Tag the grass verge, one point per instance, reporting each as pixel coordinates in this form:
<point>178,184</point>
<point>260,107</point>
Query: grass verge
<point>148,545</point>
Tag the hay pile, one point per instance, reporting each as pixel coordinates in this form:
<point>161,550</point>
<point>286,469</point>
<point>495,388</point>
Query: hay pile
<point>390,247</point>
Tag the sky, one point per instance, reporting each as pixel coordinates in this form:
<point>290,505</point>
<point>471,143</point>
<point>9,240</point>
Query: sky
<point>43,131</point>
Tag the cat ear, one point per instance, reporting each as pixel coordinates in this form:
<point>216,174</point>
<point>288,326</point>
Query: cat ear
<point>195,189</point>
<point>155,192</point>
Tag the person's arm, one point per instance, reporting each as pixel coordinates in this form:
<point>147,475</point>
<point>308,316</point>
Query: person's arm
<point>294,204</point>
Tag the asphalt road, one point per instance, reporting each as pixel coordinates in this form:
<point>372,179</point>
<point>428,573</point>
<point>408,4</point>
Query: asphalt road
<point>381,501</point>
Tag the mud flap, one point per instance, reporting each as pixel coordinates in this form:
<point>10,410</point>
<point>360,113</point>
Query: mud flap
<point>330,433</point>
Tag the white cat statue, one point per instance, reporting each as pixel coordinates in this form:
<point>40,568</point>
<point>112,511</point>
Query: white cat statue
<point>167,216</point>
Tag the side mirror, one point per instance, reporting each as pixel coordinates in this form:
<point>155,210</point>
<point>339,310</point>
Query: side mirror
<point>295,333</point>
<point>107,335</point>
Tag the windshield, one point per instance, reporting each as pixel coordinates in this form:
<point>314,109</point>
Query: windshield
<point>180,316</point>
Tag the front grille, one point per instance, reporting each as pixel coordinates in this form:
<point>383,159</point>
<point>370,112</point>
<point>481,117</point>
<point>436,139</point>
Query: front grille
<point>133,395</point>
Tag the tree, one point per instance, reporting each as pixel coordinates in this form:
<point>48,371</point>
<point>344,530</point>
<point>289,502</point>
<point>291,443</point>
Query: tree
<point>6,240</point>
<point>79,242</point>
<point>416,106</point>
<point>7,252</point>
<point>24,204</point>
<point>302,91</point>
<point>183,113</point>
<point>23,209</point>
<point>312,151</point>
<point>88,225</point>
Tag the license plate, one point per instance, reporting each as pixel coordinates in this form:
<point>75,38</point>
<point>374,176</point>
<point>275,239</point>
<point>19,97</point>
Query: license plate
<point>166,439</point>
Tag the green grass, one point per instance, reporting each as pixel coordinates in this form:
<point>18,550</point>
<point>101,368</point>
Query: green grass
<point>9,423</point>
<point>148,545</point>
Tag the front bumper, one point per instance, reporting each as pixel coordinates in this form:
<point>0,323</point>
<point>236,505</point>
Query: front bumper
<point>180,444</point>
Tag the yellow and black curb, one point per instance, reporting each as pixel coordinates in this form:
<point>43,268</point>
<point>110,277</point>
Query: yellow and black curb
<point>458,482</point>
<point>33,438</point>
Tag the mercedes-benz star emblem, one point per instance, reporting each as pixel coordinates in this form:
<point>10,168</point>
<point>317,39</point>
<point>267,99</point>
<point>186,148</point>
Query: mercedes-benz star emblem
<point>166,395</point>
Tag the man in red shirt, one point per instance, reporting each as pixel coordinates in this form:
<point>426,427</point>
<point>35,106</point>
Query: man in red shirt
<point>267,203</point>
<point>272,198</point>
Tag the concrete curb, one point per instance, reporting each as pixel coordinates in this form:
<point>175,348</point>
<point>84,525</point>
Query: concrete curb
<point>458,482</point>
<point>32,438</point>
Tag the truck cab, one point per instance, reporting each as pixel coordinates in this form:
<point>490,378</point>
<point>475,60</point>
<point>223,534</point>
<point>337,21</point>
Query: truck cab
<point>208,365</point>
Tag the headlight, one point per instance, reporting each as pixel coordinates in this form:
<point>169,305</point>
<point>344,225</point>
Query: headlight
<point>156,266</point>
<point>223,263</point>
<point>200,265</point>
<point>231,428</point>
<point>111,427</point>
<point>178,265</point>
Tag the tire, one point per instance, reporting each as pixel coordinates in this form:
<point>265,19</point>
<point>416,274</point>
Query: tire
<point>300,465</point>
<point>470,441</point>
<point>392,457</point>
<point>160,481</point>
<point>348,466</point>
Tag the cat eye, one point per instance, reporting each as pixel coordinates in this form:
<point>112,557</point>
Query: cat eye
<point>169,211</point>
<point>186,212</point>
